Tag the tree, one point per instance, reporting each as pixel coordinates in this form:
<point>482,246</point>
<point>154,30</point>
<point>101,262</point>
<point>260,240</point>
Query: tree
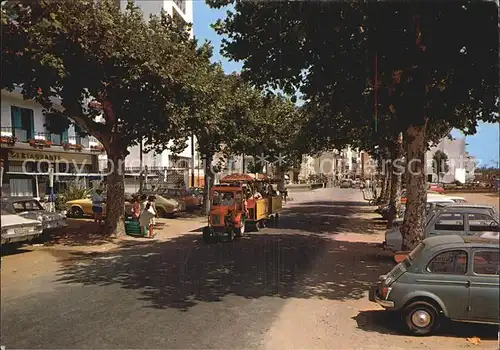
<point>440,163</point>
<point>429,65</point>
<point>228,115</point>
<point>118,77</point>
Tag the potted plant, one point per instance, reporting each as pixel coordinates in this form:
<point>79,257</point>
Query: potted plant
<point>9,140</point>
<point>39,143</point>
<point>97,148</point>
<point>69,146</point>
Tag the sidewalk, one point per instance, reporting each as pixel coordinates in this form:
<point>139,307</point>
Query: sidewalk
<point>20,265</point>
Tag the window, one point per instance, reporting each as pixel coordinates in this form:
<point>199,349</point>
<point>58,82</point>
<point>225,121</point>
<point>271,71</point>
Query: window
<point>18,207</point>
<point>450,222</point>
<point>23,124</point>
<point>486,262</point>
<point>181,4</point>
<point>452,262</point>
<point>482,222</point>
<point>21,187</point>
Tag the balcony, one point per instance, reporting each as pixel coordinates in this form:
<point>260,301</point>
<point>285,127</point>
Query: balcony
<point>12,136</point>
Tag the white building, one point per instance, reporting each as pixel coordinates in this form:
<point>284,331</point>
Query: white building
<point>28,149</point>
<point>461,165</point>
<point>178,9</point>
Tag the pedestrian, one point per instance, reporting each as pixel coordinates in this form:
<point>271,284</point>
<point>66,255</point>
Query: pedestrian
<point>146,218</point>
<point>97,201</point>
<point>143,202</point>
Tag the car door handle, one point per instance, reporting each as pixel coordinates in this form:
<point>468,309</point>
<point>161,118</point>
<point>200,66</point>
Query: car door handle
<point>467,283</point>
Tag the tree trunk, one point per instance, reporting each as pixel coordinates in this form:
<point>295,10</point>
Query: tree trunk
<point>383,180</point>
<point>388,182</point>
<point>115,204</point>
<point>208,181</point>
<point>396,171</point>
<point>416,187</point>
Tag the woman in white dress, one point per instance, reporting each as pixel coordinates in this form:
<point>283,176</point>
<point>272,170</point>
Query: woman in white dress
<point>148,215</point>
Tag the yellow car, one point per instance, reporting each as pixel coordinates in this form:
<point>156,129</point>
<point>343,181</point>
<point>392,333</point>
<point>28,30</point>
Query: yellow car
<point>83,207</point>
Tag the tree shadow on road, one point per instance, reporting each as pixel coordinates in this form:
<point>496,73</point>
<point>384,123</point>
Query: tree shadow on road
<point>79,232</point>
<point>330,217</point>
<point>390,323</point>
<point>185,271</point>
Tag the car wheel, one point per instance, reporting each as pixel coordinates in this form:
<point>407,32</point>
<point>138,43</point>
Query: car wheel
<point>207,235</point>
<point>76,212</point>
<point>240,231</point>
<point>256,226</point>
<point>230,235</point>
<point>421,318</point>
<point>161,212</point>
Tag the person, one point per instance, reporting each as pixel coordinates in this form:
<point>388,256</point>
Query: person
<point>97,201</point>
<point>136,207</point>
<point>143,202</point>
<point>146,218</point>
<point>228,200</point>
<point>152,200</point>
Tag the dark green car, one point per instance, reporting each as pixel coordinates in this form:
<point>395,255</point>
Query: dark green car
<point>454,277</point>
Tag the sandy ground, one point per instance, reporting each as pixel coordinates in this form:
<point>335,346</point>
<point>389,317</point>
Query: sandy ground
<point>492,199</point>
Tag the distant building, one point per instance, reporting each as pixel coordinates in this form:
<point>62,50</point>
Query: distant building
<point>461,165</point>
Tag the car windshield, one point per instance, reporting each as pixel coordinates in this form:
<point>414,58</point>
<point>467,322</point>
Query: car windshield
<point>224,199</point>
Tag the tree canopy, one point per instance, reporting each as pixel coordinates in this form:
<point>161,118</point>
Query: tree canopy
<point>117,76</point>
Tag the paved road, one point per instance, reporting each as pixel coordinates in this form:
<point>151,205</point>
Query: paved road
<point>185,294</point>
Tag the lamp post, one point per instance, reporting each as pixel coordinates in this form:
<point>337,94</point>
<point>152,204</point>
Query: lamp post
<point>51,190</point>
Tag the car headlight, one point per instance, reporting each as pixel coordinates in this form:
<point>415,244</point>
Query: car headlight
<point>8,231</point>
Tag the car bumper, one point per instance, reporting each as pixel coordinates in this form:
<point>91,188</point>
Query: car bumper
<point>20,237</point>
<point>55,225</point>
<point>374,297</point>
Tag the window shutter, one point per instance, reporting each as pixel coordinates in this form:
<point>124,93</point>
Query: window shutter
<point>32,124</point>
<point>15,113</point>
<point>64,135</point>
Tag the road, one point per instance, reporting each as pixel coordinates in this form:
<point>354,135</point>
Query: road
<point>302,285</point>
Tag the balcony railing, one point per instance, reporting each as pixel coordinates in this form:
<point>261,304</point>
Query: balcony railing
<point>18,134</point>
<point>23,135</point>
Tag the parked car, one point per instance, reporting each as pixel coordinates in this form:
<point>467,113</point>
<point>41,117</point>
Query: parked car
<point>452,219</point>
<point>79,208</point>
<point>15,228</point>
<point>436,188</point>
<point>30,208</point>
<point>454,277</point>
<point>188,197</point>
<point>432,201</point>
<point>346,184</point>
<point>166,207</point>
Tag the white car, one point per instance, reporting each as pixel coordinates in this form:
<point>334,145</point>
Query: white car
<point>18,229</point>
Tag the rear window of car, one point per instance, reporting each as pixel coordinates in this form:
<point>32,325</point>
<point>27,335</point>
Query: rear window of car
<point>452,262</point>
<point>450,222</point>
<point>486,262</point>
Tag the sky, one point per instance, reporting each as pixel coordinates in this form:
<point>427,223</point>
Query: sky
<point>484,145</point>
